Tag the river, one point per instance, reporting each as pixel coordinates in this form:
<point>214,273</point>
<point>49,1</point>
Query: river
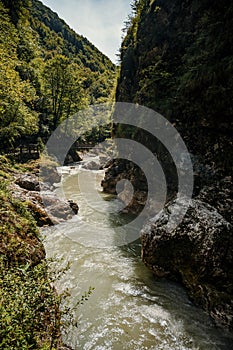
<point>129,309</point>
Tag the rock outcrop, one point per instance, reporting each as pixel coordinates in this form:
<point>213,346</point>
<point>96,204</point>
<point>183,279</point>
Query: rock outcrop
<point>199,252</point>
<point>123,170</point>
<point>92,165</point>
<point>28,182</point>
<point>72,157</point>
<point>45,206</point>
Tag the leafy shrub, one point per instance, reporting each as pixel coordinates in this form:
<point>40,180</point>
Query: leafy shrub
<point>29,308</point>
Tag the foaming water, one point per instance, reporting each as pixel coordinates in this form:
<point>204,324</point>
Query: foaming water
<point>128,308</point>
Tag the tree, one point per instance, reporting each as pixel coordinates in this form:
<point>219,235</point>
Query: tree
<point>16,97</point>
<point>17,8</point>
<point>63,88</point>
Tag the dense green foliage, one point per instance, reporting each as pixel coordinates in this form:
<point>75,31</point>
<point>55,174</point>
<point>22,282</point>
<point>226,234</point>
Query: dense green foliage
<point>17,116</point>
<point>177,58</point>
<point>29,307</point>
<point>32,314</point>
<point>48,72</point>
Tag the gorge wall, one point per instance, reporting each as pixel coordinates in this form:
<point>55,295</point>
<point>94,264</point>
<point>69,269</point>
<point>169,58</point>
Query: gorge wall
<point>177,59</point>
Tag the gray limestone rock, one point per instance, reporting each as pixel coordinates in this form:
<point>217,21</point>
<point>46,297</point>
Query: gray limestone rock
<point>199,253</point>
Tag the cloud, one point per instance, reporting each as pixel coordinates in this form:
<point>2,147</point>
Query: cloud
<point>101,21</point>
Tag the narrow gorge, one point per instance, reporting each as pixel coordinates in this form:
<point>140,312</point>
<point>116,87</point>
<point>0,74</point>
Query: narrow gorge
<point>89,257</point>
<point>177,59</point>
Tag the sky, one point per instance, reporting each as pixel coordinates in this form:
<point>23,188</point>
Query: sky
<point>100,21</point>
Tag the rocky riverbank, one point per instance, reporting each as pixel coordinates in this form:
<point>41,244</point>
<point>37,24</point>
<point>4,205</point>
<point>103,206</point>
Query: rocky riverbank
<point>30,306</point>
<point>42,201</point>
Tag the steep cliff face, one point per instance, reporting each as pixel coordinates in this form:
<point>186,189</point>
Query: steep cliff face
<point>177,59</point>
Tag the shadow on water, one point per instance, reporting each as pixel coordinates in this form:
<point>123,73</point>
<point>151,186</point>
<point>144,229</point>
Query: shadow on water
<point>172,296</point>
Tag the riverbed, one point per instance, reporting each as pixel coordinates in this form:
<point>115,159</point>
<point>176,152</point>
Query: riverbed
<point>128,309</point>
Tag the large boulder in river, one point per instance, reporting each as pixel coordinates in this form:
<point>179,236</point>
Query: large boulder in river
<point>199,252</point>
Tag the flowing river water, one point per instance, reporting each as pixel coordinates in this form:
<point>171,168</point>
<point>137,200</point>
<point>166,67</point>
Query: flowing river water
<point>129,309</point>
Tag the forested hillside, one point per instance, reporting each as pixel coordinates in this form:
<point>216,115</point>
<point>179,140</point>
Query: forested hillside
<point>48,72</point>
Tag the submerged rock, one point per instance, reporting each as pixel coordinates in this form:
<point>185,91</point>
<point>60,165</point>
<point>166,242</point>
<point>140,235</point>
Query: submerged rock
<point>199,252</point>
<point>74,206</point>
